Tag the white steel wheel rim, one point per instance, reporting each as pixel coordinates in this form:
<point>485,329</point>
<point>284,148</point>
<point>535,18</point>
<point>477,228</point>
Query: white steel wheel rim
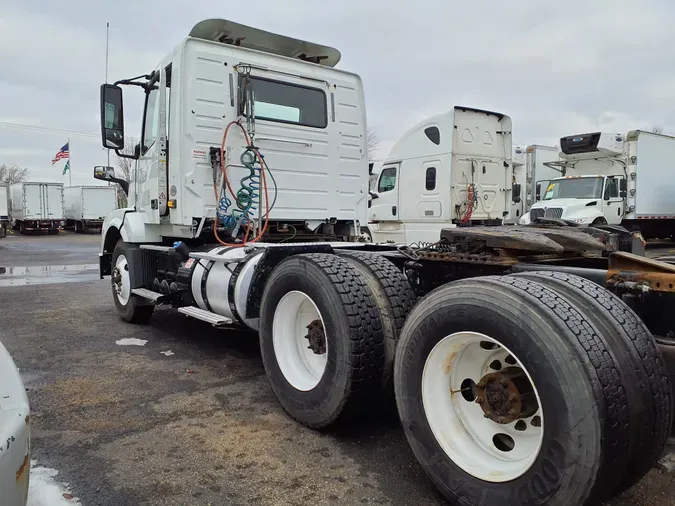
<point>301,367</point>
<point>459,425</point>
<point>123,287</point>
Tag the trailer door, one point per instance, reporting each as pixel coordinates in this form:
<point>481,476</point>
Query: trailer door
<point>53,209</point>
<point>32,201</point>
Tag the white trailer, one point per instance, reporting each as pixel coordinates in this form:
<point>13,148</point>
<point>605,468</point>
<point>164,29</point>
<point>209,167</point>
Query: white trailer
<point>257,160</point>
<point>87,206</point>
<point>614,179</point>
<point>4,210</point>
<point>37,206</point>
<point>451,169</point>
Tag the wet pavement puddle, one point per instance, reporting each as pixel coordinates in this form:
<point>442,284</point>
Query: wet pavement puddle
<point>48,274</point>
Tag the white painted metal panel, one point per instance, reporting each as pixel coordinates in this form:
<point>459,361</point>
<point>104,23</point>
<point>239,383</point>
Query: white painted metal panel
<point>655,184</point>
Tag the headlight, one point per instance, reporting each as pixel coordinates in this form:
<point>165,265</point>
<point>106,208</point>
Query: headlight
<point>579,220</point>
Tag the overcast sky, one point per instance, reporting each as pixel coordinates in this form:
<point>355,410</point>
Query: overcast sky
<point>557,68</point>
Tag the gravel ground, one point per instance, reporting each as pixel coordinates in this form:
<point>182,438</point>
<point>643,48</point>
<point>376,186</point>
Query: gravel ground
<point>134,424</point>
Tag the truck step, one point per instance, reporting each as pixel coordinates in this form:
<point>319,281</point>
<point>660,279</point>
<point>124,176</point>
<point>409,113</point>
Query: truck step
<point>207,316</point>
<point>148,294</point>
<point>155,247</point>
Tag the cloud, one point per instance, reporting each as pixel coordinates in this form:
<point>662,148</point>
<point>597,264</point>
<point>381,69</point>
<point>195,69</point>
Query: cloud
<point>556,69</point>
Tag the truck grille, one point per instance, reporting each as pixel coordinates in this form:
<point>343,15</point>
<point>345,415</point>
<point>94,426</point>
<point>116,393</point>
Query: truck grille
<point>551,212</point>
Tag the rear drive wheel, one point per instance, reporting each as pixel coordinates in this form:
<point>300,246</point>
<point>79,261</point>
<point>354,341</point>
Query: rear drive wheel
<point>394,297</point>
<point>639,361</point>
<point>506,396</point>
<point>129,307</point>
<point>320,338</point>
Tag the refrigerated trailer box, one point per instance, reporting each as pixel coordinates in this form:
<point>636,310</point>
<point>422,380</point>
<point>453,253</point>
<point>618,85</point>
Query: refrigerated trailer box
<point>37,206</point>
<point>4,210</point>
<point>87,206</point>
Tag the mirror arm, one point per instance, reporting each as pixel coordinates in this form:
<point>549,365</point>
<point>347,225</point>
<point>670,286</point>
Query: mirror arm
<point>126,155</point>
<point>123,183</point>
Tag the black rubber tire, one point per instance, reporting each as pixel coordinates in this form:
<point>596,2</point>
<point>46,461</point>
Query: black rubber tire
<point>586,423</point>
<point>353,374</point>
<point>641,365</point>
<point>134,311</point>
<point>394,298</point>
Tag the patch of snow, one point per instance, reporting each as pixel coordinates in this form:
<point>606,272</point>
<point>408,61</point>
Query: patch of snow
<point>44,490</point>
<point>131,341</point>
<point>168,353</point>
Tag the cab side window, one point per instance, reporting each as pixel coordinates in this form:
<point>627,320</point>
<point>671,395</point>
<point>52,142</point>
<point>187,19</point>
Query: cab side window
<point>612,189</point>
<point>387,180</point>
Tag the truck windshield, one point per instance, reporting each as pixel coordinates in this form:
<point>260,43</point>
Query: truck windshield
<point>574,188</point>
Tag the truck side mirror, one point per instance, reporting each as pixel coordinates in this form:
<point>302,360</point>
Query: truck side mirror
<point>623,188</point>
<point>623,194</point>
<point>112,117</point>
<point>515,193</point>
<point>107,173</point>
<point>538,193</point>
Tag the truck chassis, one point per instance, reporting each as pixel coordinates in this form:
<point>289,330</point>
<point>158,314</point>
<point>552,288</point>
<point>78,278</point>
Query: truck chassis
<point>529,365</point>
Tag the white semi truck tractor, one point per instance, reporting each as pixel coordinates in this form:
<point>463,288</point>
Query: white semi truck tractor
<point>520,372</point>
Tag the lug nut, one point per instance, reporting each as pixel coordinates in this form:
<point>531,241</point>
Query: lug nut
<point>487,415</point>
<point>513,412</point>
<point>480,384</point>
<point>491,378</point>
<point>479,400</point>
<point>505,383</point>
<point>501,419</point>
<point>513,398</point>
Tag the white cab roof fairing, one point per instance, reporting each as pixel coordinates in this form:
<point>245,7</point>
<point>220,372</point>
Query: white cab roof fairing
<point>229,32</point>
<point>414,143</point>
<point>408,144</point>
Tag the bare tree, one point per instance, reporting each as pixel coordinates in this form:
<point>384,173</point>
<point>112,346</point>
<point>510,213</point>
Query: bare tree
<point>11,174</point>
<point>656,129</point>
<point>124,168</point>
<point>373,144</point>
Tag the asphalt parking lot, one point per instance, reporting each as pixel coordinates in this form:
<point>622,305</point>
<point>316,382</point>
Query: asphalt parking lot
<point>178,413</point>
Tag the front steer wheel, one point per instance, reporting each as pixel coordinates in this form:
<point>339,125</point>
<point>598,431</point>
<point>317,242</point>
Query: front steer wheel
<point>508,396</point>
<point>130,308</point>
<point>321,339</point>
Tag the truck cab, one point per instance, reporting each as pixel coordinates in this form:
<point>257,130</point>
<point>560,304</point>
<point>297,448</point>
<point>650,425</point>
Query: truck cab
<point>589,199</point>
<point>591,188</point>
<point>452,169</point>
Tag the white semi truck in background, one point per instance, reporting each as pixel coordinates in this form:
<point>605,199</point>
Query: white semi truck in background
<point>4,210</point>
<point>500,346</point>
<point>615,179</point>
<point>87,206</point>
<point>452,169</point>
<point>37,206</point>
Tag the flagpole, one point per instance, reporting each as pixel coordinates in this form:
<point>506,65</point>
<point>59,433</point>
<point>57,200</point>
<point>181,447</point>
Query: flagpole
<point>70,165</point>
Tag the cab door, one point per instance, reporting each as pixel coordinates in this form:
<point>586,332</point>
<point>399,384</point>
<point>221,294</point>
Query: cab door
<point>152,164</point>
<point>386,206</point>
<point>613,206</point>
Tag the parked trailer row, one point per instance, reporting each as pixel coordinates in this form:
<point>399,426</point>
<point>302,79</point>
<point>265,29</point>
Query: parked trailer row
<point>521,359</point>
<point>34,206</point>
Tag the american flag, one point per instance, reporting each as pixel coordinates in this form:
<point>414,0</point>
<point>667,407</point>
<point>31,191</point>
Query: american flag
<point>62,153</point>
